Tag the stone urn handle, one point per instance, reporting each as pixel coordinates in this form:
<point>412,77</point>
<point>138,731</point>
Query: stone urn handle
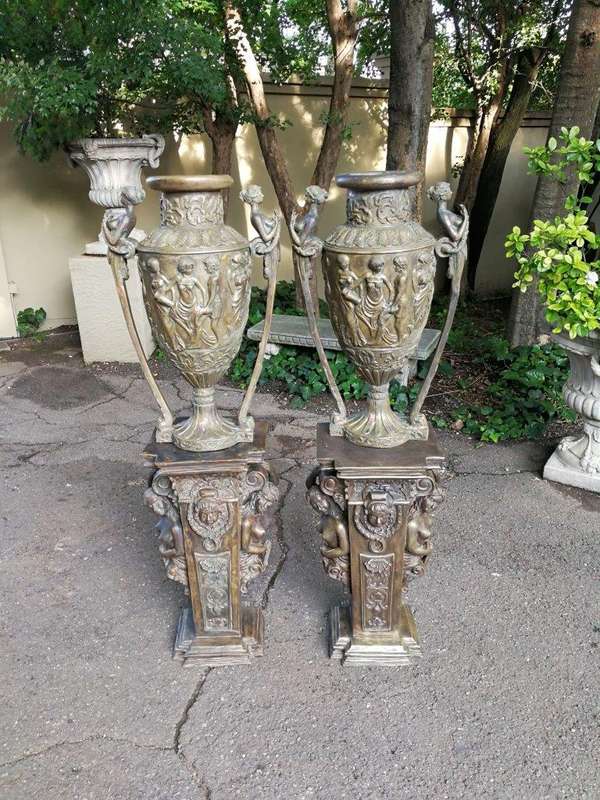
<point>307,247</point>
<point>266,244</point>
<point>117,224</point>
<point>454,248</point>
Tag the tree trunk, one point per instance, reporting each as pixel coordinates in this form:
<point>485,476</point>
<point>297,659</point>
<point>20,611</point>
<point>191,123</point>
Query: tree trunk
<point>221,131</point>
<point>343,30</point>
<point>499,145</point>
<point>575,103</point>
<point>475,155</point>
<point>412,32</point>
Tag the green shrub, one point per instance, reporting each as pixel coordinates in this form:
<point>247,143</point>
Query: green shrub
<point>29,321</point>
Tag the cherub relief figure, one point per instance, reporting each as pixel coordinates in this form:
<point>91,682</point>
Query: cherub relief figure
<point>170,536</point>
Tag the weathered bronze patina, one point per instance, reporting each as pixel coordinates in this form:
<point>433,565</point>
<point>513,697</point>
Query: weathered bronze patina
<point>215,516</point>
<point>195,274</point>
<point>375,508</point>
<point>196,281</point>
<point>379,270</point>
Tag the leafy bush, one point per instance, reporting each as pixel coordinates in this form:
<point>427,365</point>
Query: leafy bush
<point>29,321</point>
<point>562,253</point>
<point>522,387</point>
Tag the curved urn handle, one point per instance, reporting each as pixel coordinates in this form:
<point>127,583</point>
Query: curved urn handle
<point>117,224</point>
<point>307,247</point>
<point>454,248</point>
<point>266,245</point>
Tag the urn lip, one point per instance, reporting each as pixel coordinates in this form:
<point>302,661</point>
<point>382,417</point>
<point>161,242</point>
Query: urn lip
<point>189,183</point>
<point>377,180</point>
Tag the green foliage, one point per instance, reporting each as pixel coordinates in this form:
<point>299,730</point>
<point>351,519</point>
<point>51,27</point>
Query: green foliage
<point>523,387</point>
<point>557,251</point>
<point>522,395</point>
<point>76,68</point>
<point>29,321</point>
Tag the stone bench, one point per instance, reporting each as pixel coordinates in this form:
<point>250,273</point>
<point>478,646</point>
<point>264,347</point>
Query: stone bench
<point>291,330</point>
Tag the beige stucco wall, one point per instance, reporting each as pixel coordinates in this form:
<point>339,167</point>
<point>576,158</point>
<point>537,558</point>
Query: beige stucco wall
<point>46,217</point>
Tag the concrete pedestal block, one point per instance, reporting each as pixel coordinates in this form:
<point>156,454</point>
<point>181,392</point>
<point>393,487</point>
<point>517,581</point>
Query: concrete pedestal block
<point>563,467</point>
<point>102,328</point>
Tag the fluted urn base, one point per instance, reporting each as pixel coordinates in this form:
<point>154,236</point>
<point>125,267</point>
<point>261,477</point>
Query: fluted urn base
<point>206,430</point>
<point>379,426</point>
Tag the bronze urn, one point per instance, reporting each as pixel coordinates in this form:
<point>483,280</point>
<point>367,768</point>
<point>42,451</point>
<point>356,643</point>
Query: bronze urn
<point>379,270</point>
<point>196,283</point>
<point>195,273</point>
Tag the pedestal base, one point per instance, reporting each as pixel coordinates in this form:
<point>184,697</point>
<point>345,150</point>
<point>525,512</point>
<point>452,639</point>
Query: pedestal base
<point>376,515</point>
<point>216,510</point>
<point>343,648</point>
<point>557,470</point>
<point>192,649</point>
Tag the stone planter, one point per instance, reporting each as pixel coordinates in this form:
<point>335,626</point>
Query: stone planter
<point>576,460</point>
<point>114,167</point>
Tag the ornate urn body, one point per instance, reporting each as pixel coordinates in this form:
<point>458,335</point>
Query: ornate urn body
<point>576,460</point>
<point>379,270</point>
<point>114,167</point>
<point>196,281</point>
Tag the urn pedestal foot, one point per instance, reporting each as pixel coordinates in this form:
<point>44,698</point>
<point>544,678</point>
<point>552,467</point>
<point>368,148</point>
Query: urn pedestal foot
<point>396,651</point>
<point>206,430</point>
<point>375,508</point>
<point>379,426</point>
<point>576,461</point>
<point>192,649</point>
<point>215,512</point>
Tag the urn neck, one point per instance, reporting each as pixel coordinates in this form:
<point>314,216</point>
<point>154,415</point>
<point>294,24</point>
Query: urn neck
<point>192,208</point>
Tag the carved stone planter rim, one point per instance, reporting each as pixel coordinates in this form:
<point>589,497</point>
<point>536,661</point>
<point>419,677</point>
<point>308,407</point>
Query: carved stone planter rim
<point>579,343</point>
<point>378,180</point>
<point>103,148</point>
<point>189,183</point>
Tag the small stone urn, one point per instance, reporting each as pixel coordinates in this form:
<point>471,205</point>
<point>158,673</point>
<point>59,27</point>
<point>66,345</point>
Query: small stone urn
<point>576,460</point>
<point>114,167</point>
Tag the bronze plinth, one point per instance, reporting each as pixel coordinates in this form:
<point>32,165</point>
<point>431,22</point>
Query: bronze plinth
<point>375,508</point>
<point>215,514</point>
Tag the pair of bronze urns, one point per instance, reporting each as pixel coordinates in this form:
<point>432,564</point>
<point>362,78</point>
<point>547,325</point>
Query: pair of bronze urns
<point>379,270</point>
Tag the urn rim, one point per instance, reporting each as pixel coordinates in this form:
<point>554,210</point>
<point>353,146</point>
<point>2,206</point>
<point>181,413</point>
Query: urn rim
<point>189,183</point>
<point>378,180</point>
